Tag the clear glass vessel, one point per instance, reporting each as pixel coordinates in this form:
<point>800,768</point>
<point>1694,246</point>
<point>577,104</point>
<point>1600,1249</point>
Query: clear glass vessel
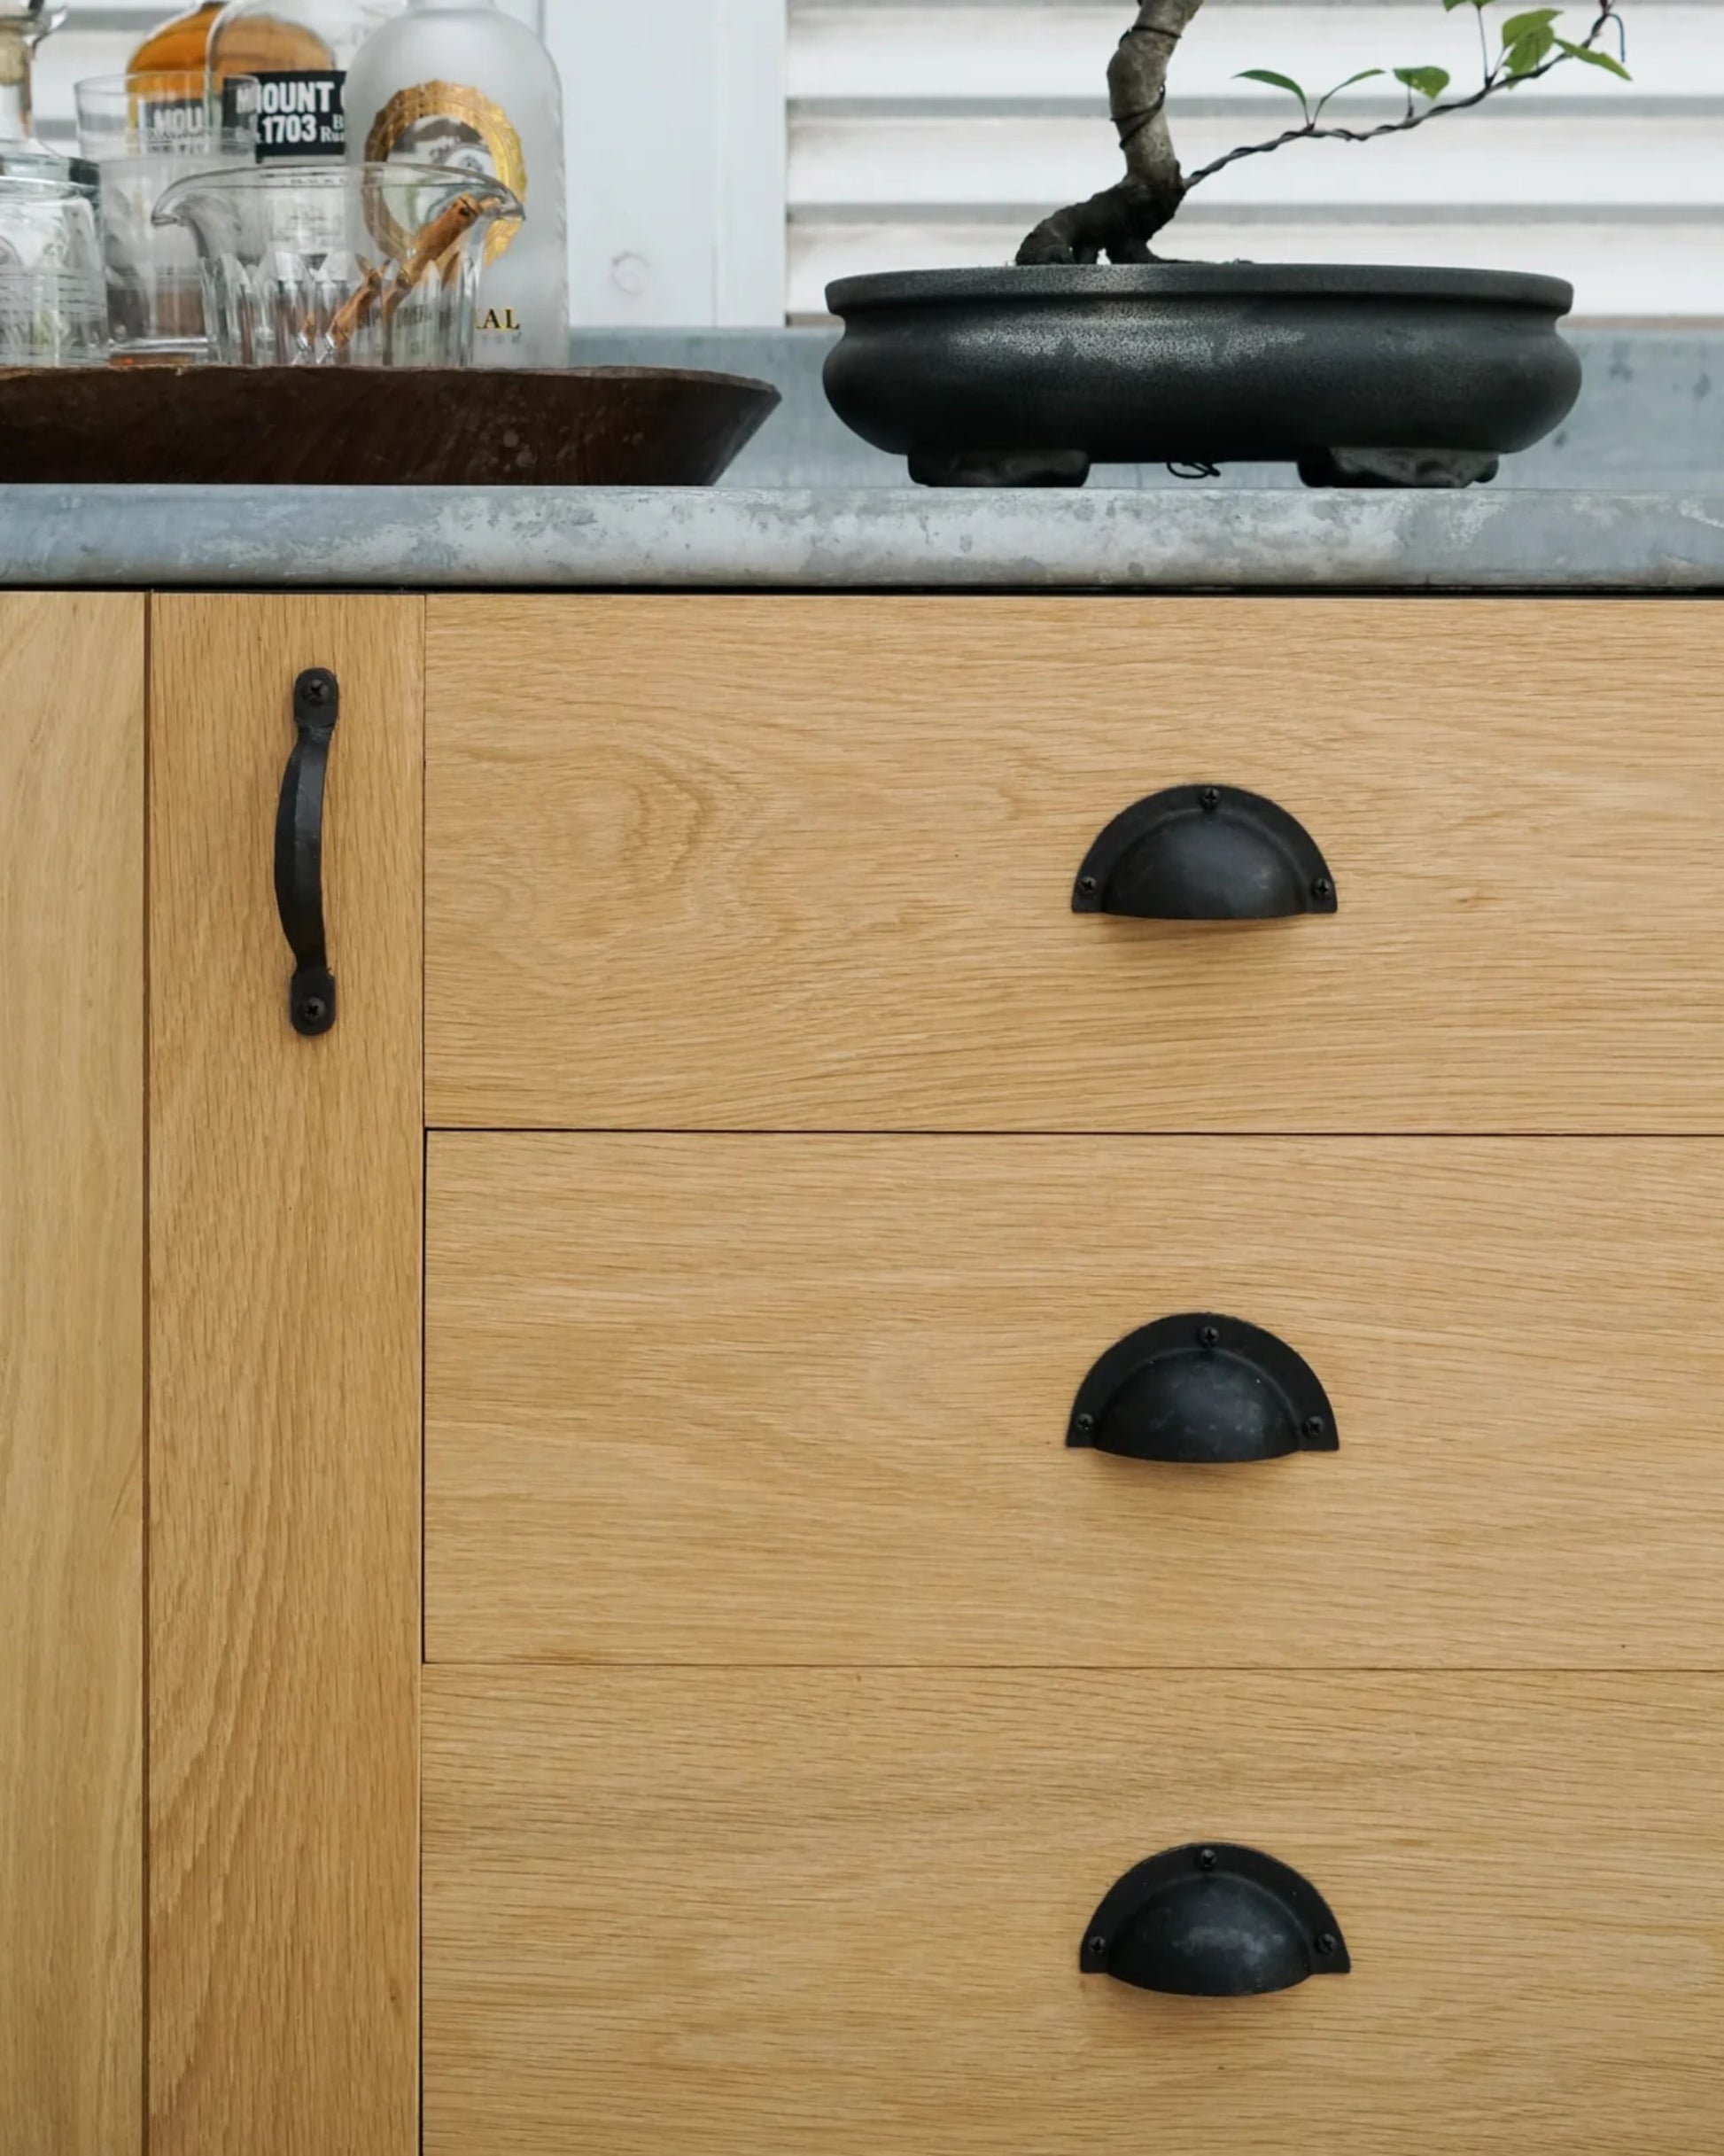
<point>53,303</point>
<point>457,82</point>
<point>23,25</point>
<point>143,132</point>
<point>300,51</point>
<point>339,265</point>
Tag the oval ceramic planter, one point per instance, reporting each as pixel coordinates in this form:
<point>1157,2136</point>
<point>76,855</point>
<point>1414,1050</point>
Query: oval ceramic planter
<point>1198,362</point>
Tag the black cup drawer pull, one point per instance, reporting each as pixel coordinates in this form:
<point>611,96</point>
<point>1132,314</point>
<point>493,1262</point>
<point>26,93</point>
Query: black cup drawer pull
<point>1205,853</point>
<point>1205,1390</point>
<point>300,851</point>
<point>1213,1921</point>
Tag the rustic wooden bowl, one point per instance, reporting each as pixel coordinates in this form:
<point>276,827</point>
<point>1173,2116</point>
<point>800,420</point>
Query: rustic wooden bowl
<point>352,427</point>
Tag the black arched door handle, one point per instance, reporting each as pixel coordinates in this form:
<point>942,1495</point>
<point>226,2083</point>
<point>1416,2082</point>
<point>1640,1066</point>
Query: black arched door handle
<point>1213,1921</point>
<point>311,1000</point>
<point>1205,853</point>
<point>1205,1390</point>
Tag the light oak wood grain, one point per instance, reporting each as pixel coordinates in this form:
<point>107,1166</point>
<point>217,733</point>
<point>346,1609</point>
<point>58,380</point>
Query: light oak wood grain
<point>71,1372</point>
<point>804,861</point>
<point>802,1399</point>
<point>285,1386</point>
<point>784,1910</point>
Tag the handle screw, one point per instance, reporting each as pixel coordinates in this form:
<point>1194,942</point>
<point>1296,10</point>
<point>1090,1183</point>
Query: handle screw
<point>1207,1860</point>
<point>1088,885</point>
<point>1327,1942</point>
<point>1085,1425</point>
<point>1323,888</point>
<point>1209,800</point>
<point>314,1009</point>
<point>1208,1337</point>
<point>1314,1425</point>
<point>317,688</point>
<point>1097,1945</point>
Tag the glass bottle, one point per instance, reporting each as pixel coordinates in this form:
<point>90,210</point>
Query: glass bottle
<point>23,25</point>
<point>178,46</point>
<point>300,51</point>
<point>458,82</point>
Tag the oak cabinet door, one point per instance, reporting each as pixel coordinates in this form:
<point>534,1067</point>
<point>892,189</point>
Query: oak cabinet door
<point>285,1176</point>
<point>70,1371</point>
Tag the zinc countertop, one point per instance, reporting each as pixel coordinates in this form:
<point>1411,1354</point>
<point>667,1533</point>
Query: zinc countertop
<point>1484,539</point>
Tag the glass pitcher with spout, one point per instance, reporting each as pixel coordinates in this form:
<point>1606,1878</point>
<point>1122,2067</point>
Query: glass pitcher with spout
<point>339,265</point>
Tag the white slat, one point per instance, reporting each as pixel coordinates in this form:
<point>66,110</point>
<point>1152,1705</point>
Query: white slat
<point>955,53</point>
<point>1494,159</point>
<point>925,133</point>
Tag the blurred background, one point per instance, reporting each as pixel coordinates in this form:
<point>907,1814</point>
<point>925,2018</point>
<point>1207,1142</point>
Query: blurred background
<point>728,157</point>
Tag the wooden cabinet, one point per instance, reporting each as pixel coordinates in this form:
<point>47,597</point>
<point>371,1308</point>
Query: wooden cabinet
<point>285,1381</point>
<point>72,1211</point>
<point>750,1400</point>
<point>808,863</point>
<point>608,1397</point>
<point>745,1911</point>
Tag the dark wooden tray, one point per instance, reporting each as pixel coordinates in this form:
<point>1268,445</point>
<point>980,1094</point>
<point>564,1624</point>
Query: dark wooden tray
<point>352,427</point>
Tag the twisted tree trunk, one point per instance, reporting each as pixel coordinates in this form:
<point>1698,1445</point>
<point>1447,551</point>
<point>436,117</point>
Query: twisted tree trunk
<point>1124,218</point>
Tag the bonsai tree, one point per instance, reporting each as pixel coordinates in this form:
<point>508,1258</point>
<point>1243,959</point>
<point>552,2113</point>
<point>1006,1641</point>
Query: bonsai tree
<point>1124,218</point>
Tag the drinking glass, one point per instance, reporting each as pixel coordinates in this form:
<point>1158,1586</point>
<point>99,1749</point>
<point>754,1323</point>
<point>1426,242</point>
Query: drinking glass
<point>341,265</point>
<point>53,309</point>
<point>144,131</point>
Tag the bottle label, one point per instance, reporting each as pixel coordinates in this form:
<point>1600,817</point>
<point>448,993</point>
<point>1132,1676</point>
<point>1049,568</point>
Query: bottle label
<point>447,123</point>
<point>301,113</point>
<point>172,120</point>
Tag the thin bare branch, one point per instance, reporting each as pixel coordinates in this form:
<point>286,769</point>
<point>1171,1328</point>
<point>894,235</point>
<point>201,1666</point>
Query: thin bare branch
<point>1495,80</point>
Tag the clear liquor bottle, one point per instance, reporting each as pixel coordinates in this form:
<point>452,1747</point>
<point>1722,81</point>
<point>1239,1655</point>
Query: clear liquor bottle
<point>458,82</point>
<point>300,51</point>
<point>23,25</point>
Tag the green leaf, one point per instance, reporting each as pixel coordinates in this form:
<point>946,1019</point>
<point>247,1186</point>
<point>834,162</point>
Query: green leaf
<point>1450,5</point>
<point>1363,75</point>
<point>1524,57</point>
<point>1428,82</point>
<point>1593,58</point>
<point>1275,81</point>
<point>1521,26</point>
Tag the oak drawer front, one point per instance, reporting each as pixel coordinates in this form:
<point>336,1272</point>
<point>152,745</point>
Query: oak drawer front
<point>740,1912</point>
<point>807,862</point>
<point>798,1399</point>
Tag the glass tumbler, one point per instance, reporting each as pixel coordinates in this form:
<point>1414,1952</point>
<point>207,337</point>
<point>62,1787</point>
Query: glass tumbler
<point>143,132</point>
<point>341,265</point>
<point>54,308</point>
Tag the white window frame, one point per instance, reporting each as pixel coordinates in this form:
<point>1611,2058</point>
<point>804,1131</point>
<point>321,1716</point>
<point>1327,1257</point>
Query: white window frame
<point>676,169</point>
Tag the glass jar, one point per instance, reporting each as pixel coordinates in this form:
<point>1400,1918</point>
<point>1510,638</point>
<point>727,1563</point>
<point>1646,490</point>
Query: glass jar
<point>53,302</point>
<point>300,51</point>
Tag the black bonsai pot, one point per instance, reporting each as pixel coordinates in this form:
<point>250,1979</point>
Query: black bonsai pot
<point>1031,375</point>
